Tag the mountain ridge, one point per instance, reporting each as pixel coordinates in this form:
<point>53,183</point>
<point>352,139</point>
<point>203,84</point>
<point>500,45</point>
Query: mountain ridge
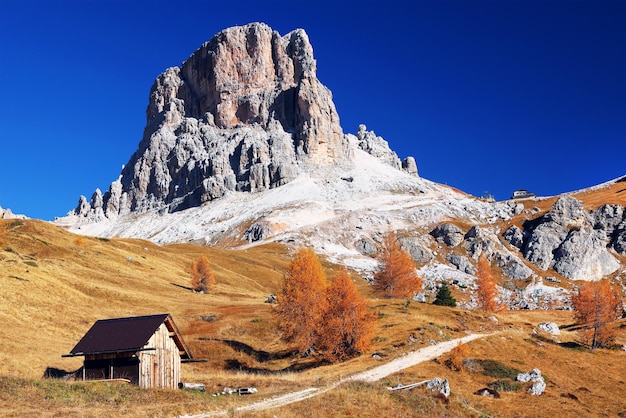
<point>243,147</point>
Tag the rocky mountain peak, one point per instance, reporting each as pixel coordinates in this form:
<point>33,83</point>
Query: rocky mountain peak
<point>245,112</point>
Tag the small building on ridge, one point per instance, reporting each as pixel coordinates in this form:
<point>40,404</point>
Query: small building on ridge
<point>522,194</point>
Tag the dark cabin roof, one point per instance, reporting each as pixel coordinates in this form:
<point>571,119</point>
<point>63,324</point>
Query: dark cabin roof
<point>126,334</point>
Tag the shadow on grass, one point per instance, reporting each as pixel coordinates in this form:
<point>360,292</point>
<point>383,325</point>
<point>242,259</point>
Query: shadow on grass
<point>234,364</point>
<point>572,345</point>
<point>259,355</point>
<point>54,373</point>
<point>181,286</point>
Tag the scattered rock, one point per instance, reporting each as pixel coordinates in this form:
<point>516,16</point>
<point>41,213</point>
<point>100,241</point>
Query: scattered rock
<point>514,268</point>
<point>271,299</point>
<point>366,246</point>
<point>418,247</point>
<point>439,385</point>
<point>492,393</point>
<point>537,388</point>
<point>534,376</point>
<point>420,297</point>
<point>257,232</point>
<point>448,234</point>
<point>462,263</point>
<point>516,208</point>
<point>550,327</point>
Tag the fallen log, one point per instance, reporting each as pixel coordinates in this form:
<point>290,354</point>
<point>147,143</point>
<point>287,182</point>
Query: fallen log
<point>410,386</point>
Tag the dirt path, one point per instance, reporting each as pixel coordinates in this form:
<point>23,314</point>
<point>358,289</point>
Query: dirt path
<point>410,359</point>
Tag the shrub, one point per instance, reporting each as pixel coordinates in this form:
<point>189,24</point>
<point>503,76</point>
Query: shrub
<point>494,368</point>
<point>506,386</point>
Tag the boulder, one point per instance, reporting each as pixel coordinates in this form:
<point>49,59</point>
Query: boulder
<point>482,241</point>
<point>448,234</point>
<point>550,327</point>
<point>537,388</point>
<point>491,393</point>
<point>514,268</point>
<point>514,236</point>
<point>257,232</point>
<point>543,240</point>
<point>534,376</point>
<point>583,256</point>
<point>439,385</point>
<point>462,263</point>
<point>418,248</point>
<point>366,246</point>
<point>567,211</point>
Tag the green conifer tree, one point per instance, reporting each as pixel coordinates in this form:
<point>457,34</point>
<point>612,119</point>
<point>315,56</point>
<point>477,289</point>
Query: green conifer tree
<point>444,296</point>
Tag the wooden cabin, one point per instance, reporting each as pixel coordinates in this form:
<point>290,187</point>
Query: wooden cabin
<point>146,350</point>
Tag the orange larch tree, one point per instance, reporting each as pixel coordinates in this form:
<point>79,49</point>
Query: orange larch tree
<point>202,278</point>
<point>348,322</point>
<point>302,302</point>
<point>487,291</point>
<point>457,356</point>
<point>396,275</point>
<point>596,307</point>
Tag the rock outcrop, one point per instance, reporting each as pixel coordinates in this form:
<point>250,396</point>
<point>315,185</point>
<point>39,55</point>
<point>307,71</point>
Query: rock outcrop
<point>571,241</point>
<point>448,234</point>
<point>538,383</point>
<point>243,113</point>
<point>8,214</point>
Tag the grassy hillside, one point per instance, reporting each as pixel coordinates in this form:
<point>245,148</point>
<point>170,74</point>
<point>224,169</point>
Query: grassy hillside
<point>54,285</point>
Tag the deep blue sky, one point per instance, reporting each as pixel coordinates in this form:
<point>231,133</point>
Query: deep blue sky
<point>486,95</point>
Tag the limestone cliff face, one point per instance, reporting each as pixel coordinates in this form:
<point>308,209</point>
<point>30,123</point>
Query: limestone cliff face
<point>575,243</point>
<point>241,114</point>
